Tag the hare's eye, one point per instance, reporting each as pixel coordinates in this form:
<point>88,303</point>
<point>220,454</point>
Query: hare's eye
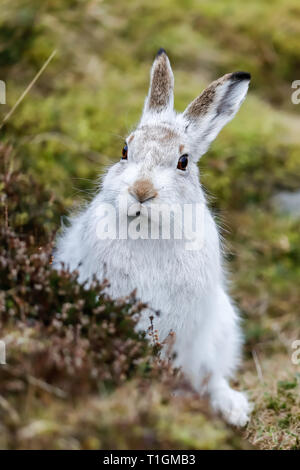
<point>124,152</point>
<point>183,162</point>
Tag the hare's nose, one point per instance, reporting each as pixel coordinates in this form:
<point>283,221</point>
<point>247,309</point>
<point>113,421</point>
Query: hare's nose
<point>143,190</point>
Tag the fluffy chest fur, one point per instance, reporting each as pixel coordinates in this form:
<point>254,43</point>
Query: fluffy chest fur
<point>166,276</point>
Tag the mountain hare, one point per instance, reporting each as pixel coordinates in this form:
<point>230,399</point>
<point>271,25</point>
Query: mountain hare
<point>158,168</point>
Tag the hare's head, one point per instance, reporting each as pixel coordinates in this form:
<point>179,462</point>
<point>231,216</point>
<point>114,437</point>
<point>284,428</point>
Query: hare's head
<point>159,159</point>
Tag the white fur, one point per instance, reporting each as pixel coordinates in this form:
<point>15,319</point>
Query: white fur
<point>187,287</point>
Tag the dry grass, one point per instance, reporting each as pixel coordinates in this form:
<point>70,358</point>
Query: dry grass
<point>275,422</point>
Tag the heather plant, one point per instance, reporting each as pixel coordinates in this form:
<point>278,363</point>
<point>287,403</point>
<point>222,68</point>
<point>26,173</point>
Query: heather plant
<point>88,332</point>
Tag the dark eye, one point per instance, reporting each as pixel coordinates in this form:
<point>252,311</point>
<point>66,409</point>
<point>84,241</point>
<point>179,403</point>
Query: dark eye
<point>124,152</point>
<point>183,162</point>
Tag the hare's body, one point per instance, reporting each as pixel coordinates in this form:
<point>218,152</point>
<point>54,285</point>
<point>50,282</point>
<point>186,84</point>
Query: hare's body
<point>185,285</point>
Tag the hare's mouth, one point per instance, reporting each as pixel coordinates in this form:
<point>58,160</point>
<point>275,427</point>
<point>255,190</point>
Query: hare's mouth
<point>138,209</point>
<point>134,216</point>
<point>134,210</point>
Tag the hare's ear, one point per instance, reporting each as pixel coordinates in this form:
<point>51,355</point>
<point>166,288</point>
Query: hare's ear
<point>217,105</point>
<point>160,98</point>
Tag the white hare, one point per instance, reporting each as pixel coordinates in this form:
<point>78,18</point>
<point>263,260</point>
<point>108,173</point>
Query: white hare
<point>159,166</point>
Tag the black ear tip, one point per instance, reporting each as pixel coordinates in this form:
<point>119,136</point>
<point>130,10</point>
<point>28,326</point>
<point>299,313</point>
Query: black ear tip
<point>160,52</point>
<point>241,76</point>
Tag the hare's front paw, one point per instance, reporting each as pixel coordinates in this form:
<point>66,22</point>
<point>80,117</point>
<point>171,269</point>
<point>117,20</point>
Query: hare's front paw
<point>233,406</point>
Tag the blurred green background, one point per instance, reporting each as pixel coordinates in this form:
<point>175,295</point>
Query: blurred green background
<point>74,120</point>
